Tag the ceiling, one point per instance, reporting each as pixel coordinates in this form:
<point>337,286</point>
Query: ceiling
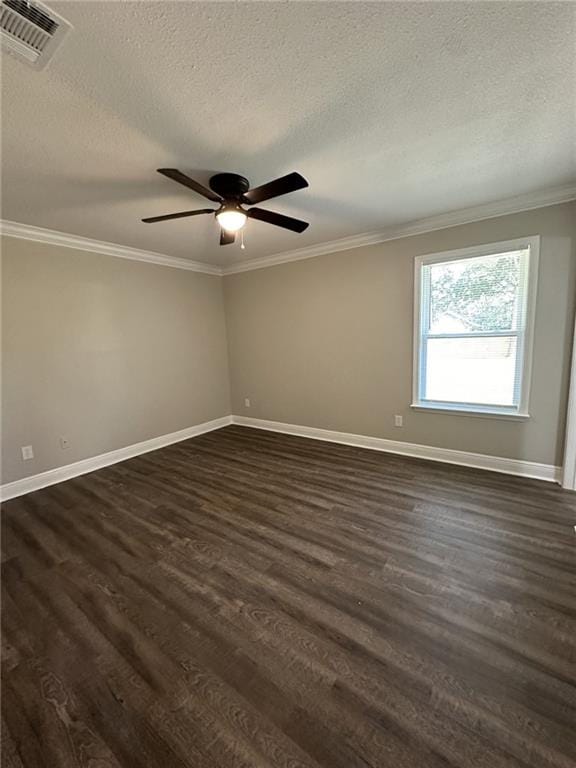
<point>393,111</point>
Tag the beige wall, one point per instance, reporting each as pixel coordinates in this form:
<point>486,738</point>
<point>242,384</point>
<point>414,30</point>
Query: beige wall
<point>327,342</point>
<point>109,352</point>
<point>104,351</point>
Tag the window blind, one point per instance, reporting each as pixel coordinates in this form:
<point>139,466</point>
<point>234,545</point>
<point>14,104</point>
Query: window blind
<point>472,330</point>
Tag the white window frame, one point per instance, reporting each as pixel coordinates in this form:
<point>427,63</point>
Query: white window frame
<point>525,336</point>
<point>569,469</point>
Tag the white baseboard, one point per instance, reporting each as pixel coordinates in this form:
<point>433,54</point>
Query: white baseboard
<point>478,460</point>
<point>448,456</point>
<point>59,474</point>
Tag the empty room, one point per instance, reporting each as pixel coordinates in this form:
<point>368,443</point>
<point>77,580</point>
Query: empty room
<point>288,393</point>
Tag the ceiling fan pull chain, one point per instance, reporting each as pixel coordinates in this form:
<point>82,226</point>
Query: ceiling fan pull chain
<point>242,246</point>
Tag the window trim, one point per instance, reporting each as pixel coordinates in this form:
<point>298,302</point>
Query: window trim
<point>525,338</point>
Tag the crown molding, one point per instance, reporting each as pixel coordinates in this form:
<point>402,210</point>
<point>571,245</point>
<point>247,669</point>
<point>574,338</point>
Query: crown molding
<point>531,201</point>
<point>540,199</point>
<point>51,237</point>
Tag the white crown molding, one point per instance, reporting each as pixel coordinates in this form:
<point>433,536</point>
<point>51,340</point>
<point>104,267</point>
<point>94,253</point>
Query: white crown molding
<point>67,472</point>
<point>51,237</point>
<point>506,466</point>
<point>528,202</point>
<point>540,199</point>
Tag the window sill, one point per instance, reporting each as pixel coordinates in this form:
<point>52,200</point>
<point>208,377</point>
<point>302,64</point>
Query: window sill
<point>486,414</point>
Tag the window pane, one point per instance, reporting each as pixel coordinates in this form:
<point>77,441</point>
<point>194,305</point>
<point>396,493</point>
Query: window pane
<point>471,370</point>
<point>476,294</point>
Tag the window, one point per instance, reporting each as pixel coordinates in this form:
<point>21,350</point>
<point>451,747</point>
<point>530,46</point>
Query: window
<point>474,318</point>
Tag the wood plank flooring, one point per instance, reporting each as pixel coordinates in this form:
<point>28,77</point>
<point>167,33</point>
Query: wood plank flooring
<point>253,599</point>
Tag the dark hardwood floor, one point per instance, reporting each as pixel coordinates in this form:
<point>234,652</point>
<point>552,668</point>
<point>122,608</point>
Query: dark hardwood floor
<point>252,599</point>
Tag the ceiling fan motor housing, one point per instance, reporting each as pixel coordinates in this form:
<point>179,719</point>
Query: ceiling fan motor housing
<point>230,186</point>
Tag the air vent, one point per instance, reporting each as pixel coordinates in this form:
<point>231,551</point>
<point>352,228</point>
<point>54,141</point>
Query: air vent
<point>31,31</point>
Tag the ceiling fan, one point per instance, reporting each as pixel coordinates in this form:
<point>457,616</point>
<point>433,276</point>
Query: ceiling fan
<point>232,192</point>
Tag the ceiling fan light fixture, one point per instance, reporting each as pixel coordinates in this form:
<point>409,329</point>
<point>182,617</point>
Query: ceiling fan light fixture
<point>231,218</point>
<point>230,190</point>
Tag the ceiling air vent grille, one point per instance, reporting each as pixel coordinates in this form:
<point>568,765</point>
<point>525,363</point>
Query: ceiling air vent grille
<point>31,31</point>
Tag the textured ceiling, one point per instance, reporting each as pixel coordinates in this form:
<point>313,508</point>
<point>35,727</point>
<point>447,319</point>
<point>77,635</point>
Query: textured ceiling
<point>393,111</point>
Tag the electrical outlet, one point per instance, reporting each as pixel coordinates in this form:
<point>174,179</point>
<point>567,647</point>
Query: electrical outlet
<point>64,443</point>
<point>398,421</point>
<point>27,452</point>
<point>247,402</point>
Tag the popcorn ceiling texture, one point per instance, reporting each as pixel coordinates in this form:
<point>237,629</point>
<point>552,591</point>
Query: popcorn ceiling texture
<point>393,111</point>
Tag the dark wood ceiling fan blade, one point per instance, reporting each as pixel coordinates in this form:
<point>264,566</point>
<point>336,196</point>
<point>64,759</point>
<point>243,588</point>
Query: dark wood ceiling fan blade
<point>226,238</point>
<point>278,219</point>
<point>181,178</point>
<point>183,215</point>
<point>281,186</point>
